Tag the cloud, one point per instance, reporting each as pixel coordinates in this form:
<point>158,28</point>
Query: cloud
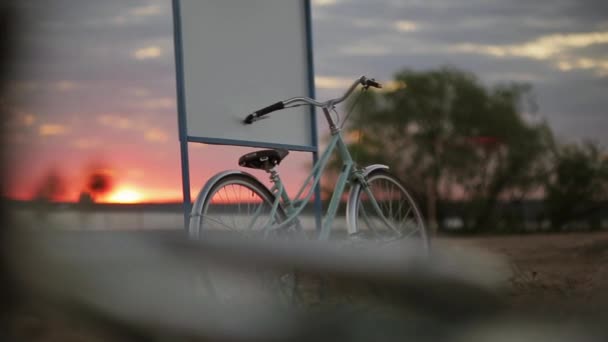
<point>147,10</point>
<point>541,48</point>
<point>46,130</point>
<point>328,82</point>
<point>385,25</point>
<point>64,86</point>
<point>115,121</point>
<point>393,85</point>
<point>22,119</point>
<point>156,135</point>
<point>141,126</point>
<point>28,119</point>
<point>406,26</point>
<point>158,103</point>
<point>342,83</point>
<point>322,3</point>
<point>108,14</point>
<point>562,49</point>
<point>86,143</point>
<point>599,65</point>
<point>139,91</point>
<point>149,52</point>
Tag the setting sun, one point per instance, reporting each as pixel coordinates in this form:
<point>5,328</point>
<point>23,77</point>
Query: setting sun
<point>124,195</point>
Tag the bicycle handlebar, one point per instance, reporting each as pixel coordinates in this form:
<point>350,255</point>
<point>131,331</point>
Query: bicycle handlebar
<point>364,81</point>
<point>267,110</point>
<point>372,83</point>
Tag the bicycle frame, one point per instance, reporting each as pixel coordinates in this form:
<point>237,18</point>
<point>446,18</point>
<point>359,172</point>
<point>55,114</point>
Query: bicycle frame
<point>293,208</point>
<point>349,172</point>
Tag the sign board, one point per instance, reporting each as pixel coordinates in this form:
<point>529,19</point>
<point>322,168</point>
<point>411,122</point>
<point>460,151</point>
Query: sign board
<point>239,56</point>
<point>234,57</point>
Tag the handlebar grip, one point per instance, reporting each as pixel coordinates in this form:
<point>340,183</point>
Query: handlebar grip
<point>372,83</point>
<point>267,110</point>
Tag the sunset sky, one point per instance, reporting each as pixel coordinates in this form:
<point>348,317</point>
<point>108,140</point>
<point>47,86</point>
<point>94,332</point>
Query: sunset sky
<point>95,86</point>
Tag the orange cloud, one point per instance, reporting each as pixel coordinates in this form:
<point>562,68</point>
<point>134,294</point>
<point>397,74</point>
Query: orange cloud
<point>115,121</point>
<point>52,130</point>
<point>329,82</point>
<point>64,86</point>
<point>149,52</point>
<point>406,26</point>
<point>24,119</point>
<point>156,135</point>
<point>159,103</point>
<point>147,10</point>
<point>28,119</point>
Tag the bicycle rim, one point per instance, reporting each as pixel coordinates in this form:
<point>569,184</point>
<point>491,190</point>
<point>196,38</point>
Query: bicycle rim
<point>237,205</point>
<point>241,205</point>
<point>398,217</point>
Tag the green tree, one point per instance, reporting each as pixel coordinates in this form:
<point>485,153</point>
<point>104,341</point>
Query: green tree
<point>448,136</point>
<point>576,185</point>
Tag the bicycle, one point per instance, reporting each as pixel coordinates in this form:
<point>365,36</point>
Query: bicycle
<point>379,207</point>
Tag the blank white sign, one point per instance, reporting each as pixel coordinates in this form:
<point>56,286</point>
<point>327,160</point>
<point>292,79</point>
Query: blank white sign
<point>239,56</point>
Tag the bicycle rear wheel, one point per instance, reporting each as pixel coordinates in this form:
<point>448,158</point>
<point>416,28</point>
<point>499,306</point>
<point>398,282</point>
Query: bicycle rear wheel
<point>396,215</point>
<point>238,204</point>
<point>234,204</point>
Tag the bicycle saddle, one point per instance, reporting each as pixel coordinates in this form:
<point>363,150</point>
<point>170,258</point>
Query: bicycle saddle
<point>264,159</point>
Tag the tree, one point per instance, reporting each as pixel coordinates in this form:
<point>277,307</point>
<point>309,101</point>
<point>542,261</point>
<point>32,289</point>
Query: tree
<point>51,189</point>
<point>448,137</point>
<point>576,184</point>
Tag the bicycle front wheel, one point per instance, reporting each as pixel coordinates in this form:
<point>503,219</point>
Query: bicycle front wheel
<point>384,211</point>
<point>236,203</point>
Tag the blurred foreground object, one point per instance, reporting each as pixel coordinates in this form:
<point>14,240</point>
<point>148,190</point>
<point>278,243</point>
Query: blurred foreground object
<point>134,285</point>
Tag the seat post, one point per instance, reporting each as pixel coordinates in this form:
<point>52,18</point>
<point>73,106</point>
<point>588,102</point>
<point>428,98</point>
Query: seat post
<point>279,190</point>
<point>274,175</point>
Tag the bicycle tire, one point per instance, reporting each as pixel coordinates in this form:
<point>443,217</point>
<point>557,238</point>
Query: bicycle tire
<point>229,202</point>
<point>397,205</point>
<point>223,199</point>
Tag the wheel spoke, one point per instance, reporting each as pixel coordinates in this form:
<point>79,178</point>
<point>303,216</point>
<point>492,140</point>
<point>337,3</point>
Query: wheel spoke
<point>220,222</point>
<point>239,204</point>
<point>256,214</point>
<point>229,205</point>
<point>378,211</point>
<point>392,208</point>
<point>367,220</point>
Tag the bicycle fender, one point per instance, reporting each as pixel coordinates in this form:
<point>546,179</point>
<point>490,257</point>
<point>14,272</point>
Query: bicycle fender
<point>371,168</point>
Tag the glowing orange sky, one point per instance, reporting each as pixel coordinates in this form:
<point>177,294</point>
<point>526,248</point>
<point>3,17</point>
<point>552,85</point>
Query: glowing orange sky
<point>140,177</point>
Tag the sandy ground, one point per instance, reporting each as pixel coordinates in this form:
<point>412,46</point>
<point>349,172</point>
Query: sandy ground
<point>556,274</point>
